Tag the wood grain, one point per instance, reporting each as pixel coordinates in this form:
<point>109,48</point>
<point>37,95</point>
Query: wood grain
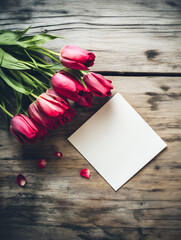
<point>126,36</point>
<point>58,204</point>
<point>137,37</point>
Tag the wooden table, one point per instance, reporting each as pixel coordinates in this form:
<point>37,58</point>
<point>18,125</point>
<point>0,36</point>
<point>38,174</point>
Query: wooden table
<point>137,46</point>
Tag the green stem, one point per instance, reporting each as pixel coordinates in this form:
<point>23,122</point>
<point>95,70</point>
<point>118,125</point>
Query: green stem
<point>38,70</point>
<point>44,62</point>
<point>44,72</point>
<point>45,53</point>
<point>36,80</point>
<point>47,73</point>
<point>50,51</point>
<point>77,74</point>
<point>32,94</point>
<point>31,98</point>
<point>6,111</point>
<point>84,72</point>
<point>44,76</point>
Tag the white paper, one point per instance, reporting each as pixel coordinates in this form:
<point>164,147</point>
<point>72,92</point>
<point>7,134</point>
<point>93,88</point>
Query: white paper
<point>117,142</point>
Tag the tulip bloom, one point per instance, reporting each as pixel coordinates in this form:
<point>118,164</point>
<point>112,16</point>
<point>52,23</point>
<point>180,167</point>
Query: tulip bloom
<point>76,58</point>
<point>25,130</point>
<point>97,84</point>
<point>68,86</point>
<point>50,106</point>
<point>41,118</point>
<point>51,110</point>
<point>69,113</point>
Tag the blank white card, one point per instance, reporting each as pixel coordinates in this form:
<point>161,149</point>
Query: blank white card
<point>117,142</point>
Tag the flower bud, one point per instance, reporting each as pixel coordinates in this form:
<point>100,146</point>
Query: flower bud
<point>98,85</point>
<point>26,130</point>
<point>74,57</point>
<point>68,86</point>
<point>51,110</point>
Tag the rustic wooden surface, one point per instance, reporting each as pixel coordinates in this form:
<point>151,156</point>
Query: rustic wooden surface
<point>128,36</point>
<point>134,37</point>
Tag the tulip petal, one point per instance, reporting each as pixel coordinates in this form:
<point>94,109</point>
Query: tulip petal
<point>51,92</point>
<point>41,163</point>
<point>73,64</point>
<point>85,173</point>
<point>21,180</point>
<point>59,154</point>
<point>86,100</point>
<point>39,116</point>
<point>65,85</point>
<point>24,129</point>
<point>76,53</point>
<point>97,84</point>
<point>16,136</point>
<point>74,57</point>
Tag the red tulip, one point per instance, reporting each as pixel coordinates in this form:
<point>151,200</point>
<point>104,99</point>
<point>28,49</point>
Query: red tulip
<point>25,130</point>
<point>41,118</point>
<point>97,84</point>
<point>50,106</point>
<point>76,58</point>
<point>68,86</point>
<point>51,110</point>
<point>69,113</point>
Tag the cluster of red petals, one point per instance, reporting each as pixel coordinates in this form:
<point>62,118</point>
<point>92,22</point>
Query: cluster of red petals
<point>98,85</point>
<point>52,109</point>
<point>76,58</point>
<point>26,130</point>
<point>69,86</point>
<point>49,111</point>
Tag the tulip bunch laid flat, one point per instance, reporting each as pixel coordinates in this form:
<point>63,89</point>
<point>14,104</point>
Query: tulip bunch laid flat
<point>49,107</point>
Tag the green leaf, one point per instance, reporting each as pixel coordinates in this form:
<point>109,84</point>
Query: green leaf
<point>8,118</point>
<point>4,92</point>
<point>26,79</point>
<point>39,39</point>
<point>32,59</point>
<point>18,101</point>
<point>37,81</point>
<point>14,50</point>
<point>8,37</point>
<point>3,107</point>
<point>17,86</point>
<point>58,66</point>
<point>77,74</point>
<point>39,50</point>
<point>10,62</point>
<point>25,111</point>
<point>83,83</point>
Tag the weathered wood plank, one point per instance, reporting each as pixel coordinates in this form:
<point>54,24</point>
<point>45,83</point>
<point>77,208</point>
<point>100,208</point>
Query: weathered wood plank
<point>58,204</point>
<point>126,36</point>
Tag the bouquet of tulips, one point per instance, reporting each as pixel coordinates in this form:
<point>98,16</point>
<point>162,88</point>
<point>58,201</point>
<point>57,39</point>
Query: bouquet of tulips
<point>47,105</point>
